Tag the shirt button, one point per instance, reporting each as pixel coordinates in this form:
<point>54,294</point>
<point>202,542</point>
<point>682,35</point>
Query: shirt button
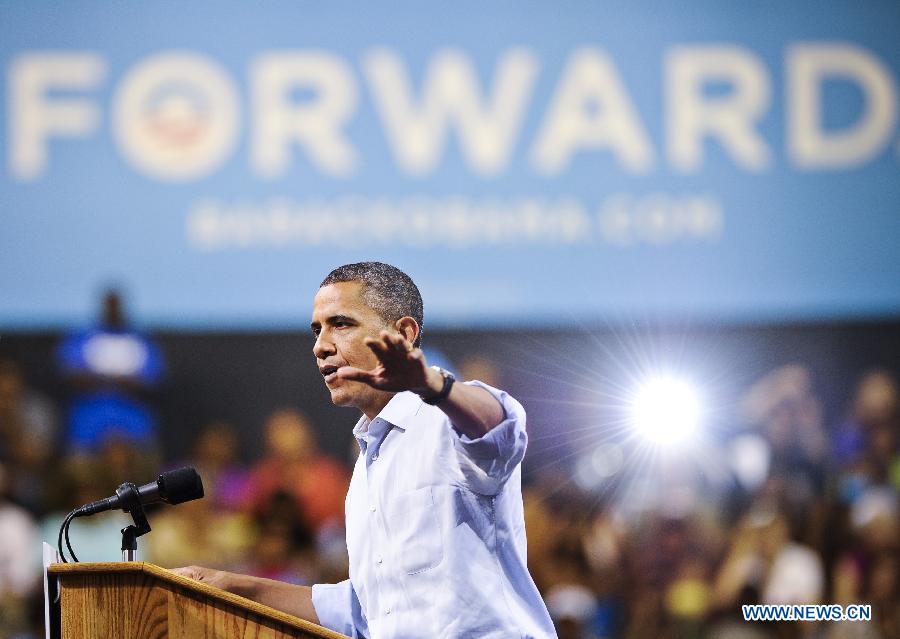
<point>372,508</point>
<point>380,560</point>
<point>387,611</point>
<point>374,456</point>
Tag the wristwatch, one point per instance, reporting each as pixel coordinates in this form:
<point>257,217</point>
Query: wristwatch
<point>445,389</point>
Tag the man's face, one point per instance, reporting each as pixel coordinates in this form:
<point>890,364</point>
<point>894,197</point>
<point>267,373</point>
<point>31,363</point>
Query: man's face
<point>341,320</point>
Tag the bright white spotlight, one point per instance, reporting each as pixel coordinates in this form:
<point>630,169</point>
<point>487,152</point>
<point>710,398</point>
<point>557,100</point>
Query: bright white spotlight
<point>666,410</point>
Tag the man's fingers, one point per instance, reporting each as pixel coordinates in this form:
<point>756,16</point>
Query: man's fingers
<point>378,347</point>
<point>398,343</point>
<point>216,578</point>
<point>389,346</point>
<point>356,374</point>
<point>191,572</point>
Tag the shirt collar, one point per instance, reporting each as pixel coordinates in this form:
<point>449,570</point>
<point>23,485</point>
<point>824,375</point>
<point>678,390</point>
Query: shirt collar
<point>398,413</point>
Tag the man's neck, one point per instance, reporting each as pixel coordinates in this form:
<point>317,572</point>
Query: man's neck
<point>378,403</point>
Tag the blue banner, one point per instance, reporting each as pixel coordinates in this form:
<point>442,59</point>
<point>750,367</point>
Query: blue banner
<point>525,162</point>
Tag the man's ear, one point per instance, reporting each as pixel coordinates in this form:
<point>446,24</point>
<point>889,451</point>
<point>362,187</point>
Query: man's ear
<point>408,327</point>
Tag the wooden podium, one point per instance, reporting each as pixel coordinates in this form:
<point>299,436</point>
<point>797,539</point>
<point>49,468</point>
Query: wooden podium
<point>136,600</point>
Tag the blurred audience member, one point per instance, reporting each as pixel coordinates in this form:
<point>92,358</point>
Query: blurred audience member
<point>868,570</point>
<point>865,447</point>
<point>111,368</point>
<point>765,565</point>
<point>293,464</point>
<point>285,548</point>
<point>481,368</point>
<point>28,434</point>
<point>19,566</point>
<point>572,609</point>
<point>18,530</point>
<point>213,530</point>
<point>782,405</point>
<point>199,532</point>
<point>216,458</point>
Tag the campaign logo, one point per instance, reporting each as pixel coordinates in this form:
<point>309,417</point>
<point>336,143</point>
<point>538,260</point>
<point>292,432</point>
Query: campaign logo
<point>176,117</point>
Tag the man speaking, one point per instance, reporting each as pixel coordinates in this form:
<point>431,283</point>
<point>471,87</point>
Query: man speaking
<point>435,530</point>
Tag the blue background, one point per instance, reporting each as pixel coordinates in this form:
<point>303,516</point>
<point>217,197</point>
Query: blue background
<point>795,243</point>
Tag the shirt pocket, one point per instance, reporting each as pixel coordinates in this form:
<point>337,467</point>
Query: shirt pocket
<point>416,531</point>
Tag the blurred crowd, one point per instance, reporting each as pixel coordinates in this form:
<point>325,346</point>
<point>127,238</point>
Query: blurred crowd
<point>805,510</point>
<point>808,514</point>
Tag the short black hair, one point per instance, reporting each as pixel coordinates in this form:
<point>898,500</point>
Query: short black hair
<point>387,289</point>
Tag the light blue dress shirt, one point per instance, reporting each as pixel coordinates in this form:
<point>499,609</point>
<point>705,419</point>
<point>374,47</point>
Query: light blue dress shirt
<point>435,531</point>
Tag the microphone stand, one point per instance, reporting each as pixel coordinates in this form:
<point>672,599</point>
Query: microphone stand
<point>130,500</point>
<point>173,487</point>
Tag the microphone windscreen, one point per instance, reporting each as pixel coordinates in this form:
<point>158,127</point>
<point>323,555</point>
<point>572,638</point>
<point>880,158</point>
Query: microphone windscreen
<point>181,485</point>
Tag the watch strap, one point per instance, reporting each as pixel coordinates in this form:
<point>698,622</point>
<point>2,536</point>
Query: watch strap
<point>449,379</point>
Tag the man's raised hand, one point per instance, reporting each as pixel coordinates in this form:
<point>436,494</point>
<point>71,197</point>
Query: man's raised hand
<point>401,366</point>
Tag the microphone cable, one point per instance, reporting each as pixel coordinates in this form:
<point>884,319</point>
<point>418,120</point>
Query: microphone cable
<point>64,531</point>
<point>173,487</point>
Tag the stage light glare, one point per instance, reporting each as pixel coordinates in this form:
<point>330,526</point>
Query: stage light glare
<point>666,410</point>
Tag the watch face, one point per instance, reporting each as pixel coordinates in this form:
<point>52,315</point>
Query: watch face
<point>449,378</point>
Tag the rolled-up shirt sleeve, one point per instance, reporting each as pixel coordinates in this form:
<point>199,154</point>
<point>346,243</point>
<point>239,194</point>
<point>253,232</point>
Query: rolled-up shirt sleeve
<point>338,609</point>
<point>488,461</point>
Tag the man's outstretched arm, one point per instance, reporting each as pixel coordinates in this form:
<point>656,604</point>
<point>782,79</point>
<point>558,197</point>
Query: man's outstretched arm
<point>472,410</point>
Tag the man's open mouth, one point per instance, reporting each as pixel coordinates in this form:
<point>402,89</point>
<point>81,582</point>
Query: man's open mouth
<point>329,373</point>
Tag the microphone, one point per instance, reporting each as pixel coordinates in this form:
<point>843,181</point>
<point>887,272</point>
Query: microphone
<point>173,487</point>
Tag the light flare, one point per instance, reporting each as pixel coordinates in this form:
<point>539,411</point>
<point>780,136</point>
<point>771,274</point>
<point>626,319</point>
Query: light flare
<point>666,410</point>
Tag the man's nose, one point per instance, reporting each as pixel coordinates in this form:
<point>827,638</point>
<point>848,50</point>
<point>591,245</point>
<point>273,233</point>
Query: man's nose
<point>323,346</point>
